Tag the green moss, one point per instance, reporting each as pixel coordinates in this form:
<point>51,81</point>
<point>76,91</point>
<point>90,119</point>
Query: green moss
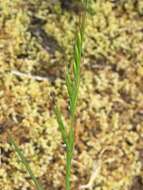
<point>110,94</point>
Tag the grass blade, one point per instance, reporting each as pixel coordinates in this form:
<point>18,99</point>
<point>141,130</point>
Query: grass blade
<point>68,83</point>
<point>25,163</point>
<point>61,124</point>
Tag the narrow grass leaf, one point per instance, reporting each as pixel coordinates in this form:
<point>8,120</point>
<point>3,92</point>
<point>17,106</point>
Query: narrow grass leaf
<point>79,42</point>
<point>61,124</point>
<point>25,163</point>
<point>71,139</point>
<point>68,83</point>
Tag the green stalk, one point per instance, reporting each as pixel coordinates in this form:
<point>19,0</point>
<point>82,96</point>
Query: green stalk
<point>73,91</point>
<point>68,169</point>
<point>69,155</point>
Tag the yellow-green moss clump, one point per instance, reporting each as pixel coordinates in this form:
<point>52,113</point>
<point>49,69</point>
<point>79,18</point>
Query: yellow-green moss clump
<point>36,39</point>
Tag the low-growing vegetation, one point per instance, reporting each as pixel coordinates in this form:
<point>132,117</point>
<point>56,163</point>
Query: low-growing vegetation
<point>36,43</point>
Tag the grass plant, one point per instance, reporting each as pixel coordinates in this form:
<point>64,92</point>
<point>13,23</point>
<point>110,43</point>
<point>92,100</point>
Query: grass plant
<point>72,84</point>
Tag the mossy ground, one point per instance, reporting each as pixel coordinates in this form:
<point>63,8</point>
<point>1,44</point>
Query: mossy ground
<point>36,37</point>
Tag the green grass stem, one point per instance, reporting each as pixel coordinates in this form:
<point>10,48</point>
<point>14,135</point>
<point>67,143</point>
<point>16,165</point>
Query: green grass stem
<point>72,84</point>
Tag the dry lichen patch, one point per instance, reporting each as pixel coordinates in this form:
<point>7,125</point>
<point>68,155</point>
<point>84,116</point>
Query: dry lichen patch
<point>35,38</point>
